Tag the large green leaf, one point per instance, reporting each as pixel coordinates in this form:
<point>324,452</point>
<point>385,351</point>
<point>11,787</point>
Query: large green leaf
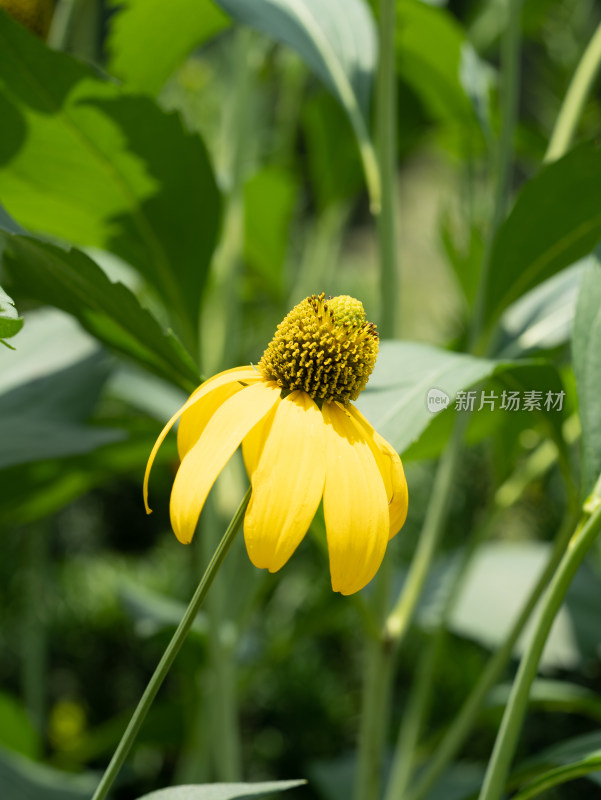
<point>222,791</point>
<point>555,221</point>
<point>84,161</point>
<point>586,351</point>
<point>70,280</point>
<point>149,38</point>
<point>413,382</point>
<point>43,408</point>
<point>337,40</point>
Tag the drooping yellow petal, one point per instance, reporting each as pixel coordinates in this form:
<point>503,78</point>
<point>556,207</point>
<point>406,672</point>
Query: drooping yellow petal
<point>287,483</point>
<point>246,374</point>
<point>354,503</point>
<point>221,437</point>
<point>253,443</point>
<point>391,469</point>
<point>194,420</point>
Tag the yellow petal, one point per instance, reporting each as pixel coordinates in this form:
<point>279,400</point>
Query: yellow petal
<point>355,505</point>
<point>252,446</point>
<point>391,469</point>
<point>203,463</point>
<point>194,420</point>
<point>287,483</point>
<point>246,374</point>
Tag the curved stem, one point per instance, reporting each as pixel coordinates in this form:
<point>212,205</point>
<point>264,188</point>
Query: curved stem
<point>170,653</point>
<point>505,744</point>
<point>573,103</point>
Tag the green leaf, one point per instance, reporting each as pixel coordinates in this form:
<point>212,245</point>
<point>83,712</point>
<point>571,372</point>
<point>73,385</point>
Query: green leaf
<point>42,409</point>
<point>559,775</point>
<point>148,39</point>
<point>542,318</point>
<point>586,351</point>
<point>10,321</point>
<point>153,612</point>
<point>222,791</point>
<point>70,280</point>
<point>413,382</point>
<point>549,695</point>
<point>485,610</point>
<point>337,40</point>
<point>84,161</point>
<point>22,779</point>
<point>555,221</point>
<point>436,60</point>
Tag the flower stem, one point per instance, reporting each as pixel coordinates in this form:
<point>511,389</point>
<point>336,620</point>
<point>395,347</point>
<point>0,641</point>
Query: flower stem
<point>573,103</point>
<point>457,733</point>
<point>386,136</point>
<point>505,744</point>
<point>171,652</point>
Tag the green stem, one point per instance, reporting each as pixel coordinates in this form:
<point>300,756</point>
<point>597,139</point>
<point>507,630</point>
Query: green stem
<point>376,695</point>
<point>386,110</point>
<point>171,652</point>
<point>510,68</point>
<point>379,652</point>
<point>575,99</point>
<point>507,737</point>
<point>225,739</point>
<point>457,733</point>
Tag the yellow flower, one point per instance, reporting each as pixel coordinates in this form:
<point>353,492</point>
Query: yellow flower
<point>302,441</point>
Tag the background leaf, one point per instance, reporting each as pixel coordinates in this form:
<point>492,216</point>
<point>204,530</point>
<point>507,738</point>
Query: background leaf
<point>555,221</point>
<point>586,351</point>
<point>22,779</point>
<point>337,40</point>
<point>70,280</point>
<point>149,38</point>
<point>83,161</point>
<point>10,321</point>
<point>222,791</point>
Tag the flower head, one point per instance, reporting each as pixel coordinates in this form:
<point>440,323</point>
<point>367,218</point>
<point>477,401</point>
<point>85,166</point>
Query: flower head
<point>302,441</point>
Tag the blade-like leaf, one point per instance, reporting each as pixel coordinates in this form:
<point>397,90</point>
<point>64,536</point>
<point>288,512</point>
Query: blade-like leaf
<point>555,221</point>
<point>337,40</point>
<point>555,777</point>
<point>222,791</point>
<point>149,38</point>
<point>70,280</point>
<point>83,161</point>
<point>586,351</point>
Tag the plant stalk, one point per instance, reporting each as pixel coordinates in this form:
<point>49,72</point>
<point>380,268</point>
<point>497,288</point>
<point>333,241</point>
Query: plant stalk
<point>575,99</point>
<point>507,737</point>
<point>171,652</point>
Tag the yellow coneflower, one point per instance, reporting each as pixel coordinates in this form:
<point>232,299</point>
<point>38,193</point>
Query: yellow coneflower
<point>302,440</point>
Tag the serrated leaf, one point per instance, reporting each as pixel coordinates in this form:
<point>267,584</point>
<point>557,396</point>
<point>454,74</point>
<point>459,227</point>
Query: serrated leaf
<point>586,352</point>
<point>556,220</point>
<point>338,42</point>
<point>71,281</point>
<point>222,791</point>
<point>148,39</point>
<point>88,163</point>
